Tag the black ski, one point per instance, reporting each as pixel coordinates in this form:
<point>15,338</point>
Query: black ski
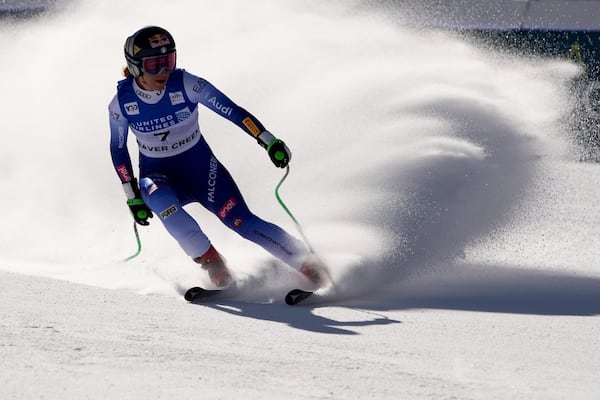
<point>295,296</point>
<point>198,294</point>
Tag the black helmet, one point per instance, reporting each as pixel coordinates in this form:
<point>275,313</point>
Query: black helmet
<point>150,41</point>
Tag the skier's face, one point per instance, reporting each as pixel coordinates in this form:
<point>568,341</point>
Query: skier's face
<point>154,82</point>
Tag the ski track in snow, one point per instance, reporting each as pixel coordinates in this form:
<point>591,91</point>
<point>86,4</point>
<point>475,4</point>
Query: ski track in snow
<point>433,177</point>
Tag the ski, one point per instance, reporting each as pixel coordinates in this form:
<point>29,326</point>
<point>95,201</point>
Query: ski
<point>295,296</point>
<point>199,294</point>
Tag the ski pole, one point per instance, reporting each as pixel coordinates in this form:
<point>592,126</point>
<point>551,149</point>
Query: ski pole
<point>139,244</point>
<point>298,226</point>
<point>287,172</point>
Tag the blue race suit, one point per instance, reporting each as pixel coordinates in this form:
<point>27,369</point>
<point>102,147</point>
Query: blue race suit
<point>177,166</point>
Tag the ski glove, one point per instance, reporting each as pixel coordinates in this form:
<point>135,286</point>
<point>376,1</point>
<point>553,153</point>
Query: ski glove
<point>279,153</point>
<point>136,205</point>
<point>140,211</point>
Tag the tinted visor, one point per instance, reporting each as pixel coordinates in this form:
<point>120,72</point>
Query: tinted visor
<point>155,65</point>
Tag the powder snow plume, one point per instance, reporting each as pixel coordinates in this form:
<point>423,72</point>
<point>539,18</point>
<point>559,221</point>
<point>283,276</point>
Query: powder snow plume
<point>409,147</point>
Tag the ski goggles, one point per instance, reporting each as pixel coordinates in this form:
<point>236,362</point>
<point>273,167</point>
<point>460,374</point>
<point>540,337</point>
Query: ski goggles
<point>156,65</point>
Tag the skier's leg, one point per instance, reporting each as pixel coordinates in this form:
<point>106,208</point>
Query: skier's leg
<point>162,199</point>
<point>235,214</point>
<point>230,207</point>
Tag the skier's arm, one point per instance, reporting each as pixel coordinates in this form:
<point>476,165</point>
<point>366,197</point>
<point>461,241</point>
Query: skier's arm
<point>205,93</point>
<point>119,128</point>
<point>119,153</point>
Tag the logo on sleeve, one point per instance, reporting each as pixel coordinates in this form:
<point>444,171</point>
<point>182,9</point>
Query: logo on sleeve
<point>248,123</point>
<point>124,173</point>
<point>199,85</point>
<point>220,107</point>
<point>132,108</point>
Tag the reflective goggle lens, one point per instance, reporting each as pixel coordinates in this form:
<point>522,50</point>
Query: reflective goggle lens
<point>155,65</point>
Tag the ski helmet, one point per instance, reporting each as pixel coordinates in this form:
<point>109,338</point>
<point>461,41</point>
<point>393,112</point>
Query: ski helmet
<point>148,42</point>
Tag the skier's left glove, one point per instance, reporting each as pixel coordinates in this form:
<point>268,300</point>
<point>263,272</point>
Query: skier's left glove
<point>279,153</point>
<point>136,205</point>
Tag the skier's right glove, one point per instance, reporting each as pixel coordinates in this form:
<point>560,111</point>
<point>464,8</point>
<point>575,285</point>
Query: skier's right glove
<point>136,205</point>
<point>140,212</point>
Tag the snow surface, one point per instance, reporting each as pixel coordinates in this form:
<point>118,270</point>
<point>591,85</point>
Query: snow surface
<point>434,177</point>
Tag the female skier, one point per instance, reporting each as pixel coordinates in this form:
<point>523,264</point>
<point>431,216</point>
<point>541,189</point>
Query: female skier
<point>159,104</point>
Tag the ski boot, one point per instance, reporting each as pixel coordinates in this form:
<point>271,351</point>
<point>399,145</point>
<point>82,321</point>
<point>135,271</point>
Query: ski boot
<point>315,271</point>
<point>214,264</point>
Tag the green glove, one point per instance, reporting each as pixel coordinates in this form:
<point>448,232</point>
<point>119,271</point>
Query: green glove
<point>279,153</point>
<point>138,208</point>
<point>140,211</point>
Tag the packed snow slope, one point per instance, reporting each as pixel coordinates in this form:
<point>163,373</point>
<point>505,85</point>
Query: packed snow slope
<point>428,173</point>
